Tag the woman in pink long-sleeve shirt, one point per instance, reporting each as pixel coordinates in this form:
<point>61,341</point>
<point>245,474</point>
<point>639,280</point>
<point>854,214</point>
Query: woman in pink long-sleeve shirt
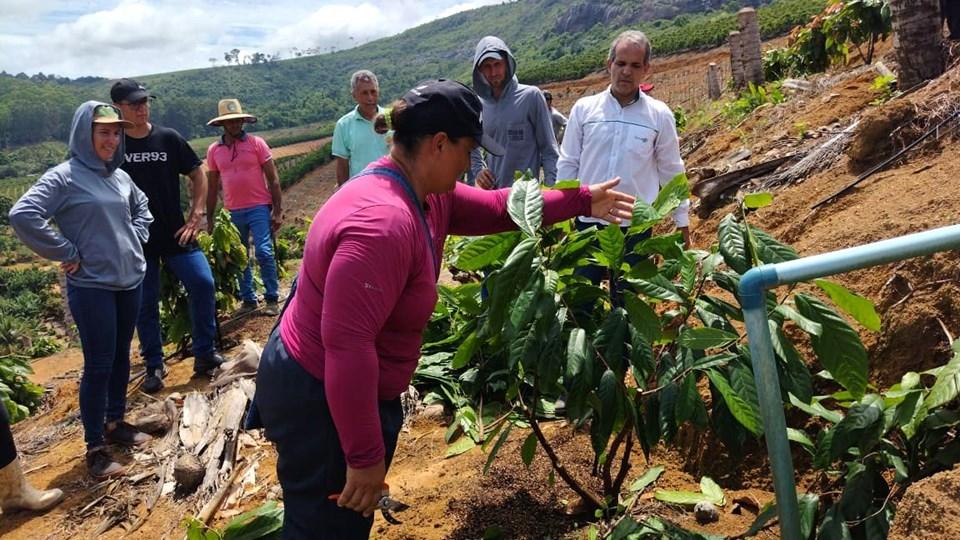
<point>348,342</point>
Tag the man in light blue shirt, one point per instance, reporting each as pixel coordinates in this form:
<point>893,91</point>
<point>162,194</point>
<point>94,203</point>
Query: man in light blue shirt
<point>355,142</point>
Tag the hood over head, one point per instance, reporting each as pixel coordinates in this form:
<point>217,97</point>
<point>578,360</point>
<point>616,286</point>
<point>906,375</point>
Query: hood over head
<point>492,44</point>
<point>81,140</point>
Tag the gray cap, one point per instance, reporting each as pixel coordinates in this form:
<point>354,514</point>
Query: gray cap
<point>497,55</point>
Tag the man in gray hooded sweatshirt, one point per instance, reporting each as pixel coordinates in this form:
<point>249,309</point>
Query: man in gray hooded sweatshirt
<point>515,115</point>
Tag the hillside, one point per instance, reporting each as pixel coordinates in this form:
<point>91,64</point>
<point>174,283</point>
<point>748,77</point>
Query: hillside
<point>552,39</point>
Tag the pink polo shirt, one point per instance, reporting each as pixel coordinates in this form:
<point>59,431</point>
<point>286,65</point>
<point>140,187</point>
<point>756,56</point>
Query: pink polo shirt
<point>367,288</point>
<point>241,171</point>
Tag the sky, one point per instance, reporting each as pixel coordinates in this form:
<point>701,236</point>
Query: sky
<point>125,38</point>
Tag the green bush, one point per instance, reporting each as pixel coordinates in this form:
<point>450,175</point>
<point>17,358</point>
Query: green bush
<point>750,99</point>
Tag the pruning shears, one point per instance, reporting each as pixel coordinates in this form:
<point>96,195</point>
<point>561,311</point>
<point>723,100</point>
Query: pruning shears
<point>387,504</point>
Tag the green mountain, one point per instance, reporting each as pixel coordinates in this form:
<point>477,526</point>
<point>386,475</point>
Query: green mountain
<point>552,40</point>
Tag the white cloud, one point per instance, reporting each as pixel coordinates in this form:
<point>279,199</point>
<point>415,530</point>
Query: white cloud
<point>114,38</point>
<point>333,25</point>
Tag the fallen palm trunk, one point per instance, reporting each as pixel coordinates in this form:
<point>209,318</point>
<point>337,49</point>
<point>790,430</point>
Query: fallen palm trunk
<point>820,158</point>
<point>710,190</point>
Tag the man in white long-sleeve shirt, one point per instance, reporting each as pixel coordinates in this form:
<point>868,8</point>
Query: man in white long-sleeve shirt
<point>623,132</point>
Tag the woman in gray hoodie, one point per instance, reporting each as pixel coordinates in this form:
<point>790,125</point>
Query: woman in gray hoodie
<point>101,222</point>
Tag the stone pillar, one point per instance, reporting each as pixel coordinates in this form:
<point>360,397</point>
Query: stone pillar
<point>750,54</point>
<point>736,62</point>
<point>917,41</point>
<point>713,81</point>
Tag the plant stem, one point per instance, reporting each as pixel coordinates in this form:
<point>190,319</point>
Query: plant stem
<point>624,464</point>
<point>552,455</point>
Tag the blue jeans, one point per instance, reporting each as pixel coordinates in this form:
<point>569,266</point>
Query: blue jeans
<point>105,320</point>
<point>193,270</point>
<point>596,273</point>
<point>256,221</point>
<point>292,405</point>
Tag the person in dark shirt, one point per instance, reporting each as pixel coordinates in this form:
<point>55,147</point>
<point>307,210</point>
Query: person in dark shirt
<point>155,157</point>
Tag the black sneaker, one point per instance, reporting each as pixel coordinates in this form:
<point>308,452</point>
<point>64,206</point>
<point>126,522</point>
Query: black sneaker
<point>153,382</point>
<point>245,308</point>
<point>125,434</point>
<point>100,464</point>
<point>272,309</point>
<point>205,363</point>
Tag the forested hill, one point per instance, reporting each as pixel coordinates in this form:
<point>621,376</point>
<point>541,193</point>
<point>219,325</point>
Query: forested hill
<point>552,39</point>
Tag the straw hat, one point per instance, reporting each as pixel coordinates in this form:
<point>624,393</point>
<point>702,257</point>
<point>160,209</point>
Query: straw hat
<point>228,109</point>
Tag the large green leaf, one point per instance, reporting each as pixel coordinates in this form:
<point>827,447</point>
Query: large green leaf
<point>503,284</point>
<point>463,445</point>
<point>611,246</point>
<point>809,504</point>
<point>769,250</point>
<point>525,206</point>
<point>805,324</point>
<point>814,408</point>
<point>689,405</point>
<point>794,375</point>
<point>260,522</point>
<point>641,357</point>
<point>672,195</point>
<point>706,338</point>
<point>657,287</point>
<point>767,513</point>
<point>944,390</point>
<point>684,498</point>
<point>714,360</point>
<point>758,200</point>
<point>709,492</point>
<point>524,306</point>
<point>733,244</point>
<point>578,353</point>
<point>642,317</point>
<point>485,250</point>
<point>611,340</point>
<point>860,418</point>
<point>668,245</point>
<point>465,351</point>
<point>647,478</point>
<point>838,347</point>
<point>529,449</point>
<point>947,386</point>
<point>712,490</point>
<point>745,412</point>
<point>504,434</point>
<point>644,217</point>
<point>609,400</point>
<point>858,307</point>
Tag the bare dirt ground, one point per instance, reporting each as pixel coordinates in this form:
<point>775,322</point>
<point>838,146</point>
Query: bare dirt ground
<point>298,148</point>
<point>450,498</point>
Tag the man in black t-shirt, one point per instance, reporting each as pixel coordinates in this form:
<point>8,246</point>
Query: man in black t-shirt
<point>155,158</point>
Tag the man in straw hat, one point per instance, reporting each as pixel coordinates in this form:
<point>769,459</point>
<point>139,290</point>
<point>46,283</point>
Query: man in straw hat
<point>243,165</point>
<point>155,157</point>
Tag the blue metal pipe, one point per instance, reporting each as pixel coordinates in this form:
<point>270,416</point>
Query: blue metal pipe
<point>753,287</point>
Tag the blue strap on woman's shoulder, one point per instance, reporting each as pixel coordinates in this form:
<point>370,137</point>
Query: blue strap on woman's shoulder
<point>395,175</point>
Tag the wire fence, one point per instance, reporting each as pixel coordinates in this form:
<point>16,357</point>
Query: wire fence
<point>686,88</point>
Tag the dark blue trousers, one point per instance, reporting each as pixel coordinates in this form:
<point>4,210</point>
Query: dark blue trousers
<point>8,451</point>
<point>292,406</point>
<point>105,320</point>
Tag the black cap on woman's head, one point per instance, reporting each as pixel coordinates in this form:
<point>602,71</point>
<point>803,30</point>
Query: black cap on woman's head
<point>452,108</point>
